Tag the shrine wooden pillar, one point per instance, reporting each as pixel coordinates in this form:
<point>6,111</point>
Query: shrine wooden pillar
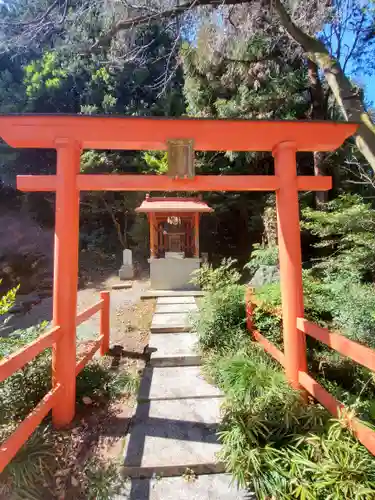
<point>196,234</point>
<point>289,239</point>
<point>153,234</point>
<point>65,282</point>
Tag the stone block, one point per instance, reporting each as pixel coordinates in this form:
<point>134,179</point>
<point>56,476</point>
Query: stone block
<point>173,274</point>
<point>178,349</point>
<point>208,487</point>
<point>126,272</point>
<point>175,308</point>
<point>175,300</point>
<point>160,383</point>
<point>154,294</point>
<point>166,437</point>
<point>174,322</point>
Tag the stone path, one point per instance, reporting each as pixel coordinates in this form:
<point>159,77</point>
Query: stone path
<point>170,451</point>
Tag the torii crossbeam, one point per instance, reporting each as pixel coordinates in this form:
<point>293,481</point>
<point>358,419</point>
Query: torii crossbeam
<point>69,135</point>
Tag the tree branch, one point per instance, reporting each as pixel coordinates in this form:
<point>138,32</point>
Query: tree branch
<point>350,102</point>
<point>158,16</point>
<point>35,21</point>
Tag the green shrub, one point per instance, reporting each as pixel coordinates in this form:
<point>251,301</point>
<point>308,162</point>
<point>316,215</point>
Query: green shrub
<point>269,295</point>
<point>262,255</point>
<point>269,324</point>
<point>346,236</point>
<point>278,447</point>
<point>7,300</point>
<point>23,390</point>
<point>102,480</point>
<point>20,338</point>
<point>317,301</point>
<point>331,465</point>
<point>271,442</point>
<point>24,476</point>
<point>353,310</point>
<point>212,279</point>
<point>97,379</point>
<point>220,324</point>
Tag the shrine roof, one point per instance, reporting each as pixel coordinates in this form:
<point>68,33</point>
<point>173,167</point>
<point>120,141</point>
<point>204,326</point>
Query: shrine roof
<point>173,205</point>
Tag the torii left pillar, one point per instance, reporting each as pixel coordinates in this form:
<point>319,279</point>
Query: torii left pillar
<point>65,281</point>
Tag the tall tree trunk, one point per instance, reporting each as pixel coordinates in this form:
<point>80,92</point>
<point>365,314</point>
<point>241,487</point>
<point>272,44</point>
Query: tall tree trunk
<point>349,100</point>
<point>318,112</point>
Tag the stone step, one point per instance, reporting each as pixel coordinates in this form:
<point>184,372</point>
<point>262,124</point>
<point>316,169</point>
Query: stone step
<point>175,300</point>
<point>208,487</point>
<point>167,437</point>
<point>175,308</point>
<point>178,349</point>
<point>173,323</point>
<point>178,382</point>
<point>152,294</point>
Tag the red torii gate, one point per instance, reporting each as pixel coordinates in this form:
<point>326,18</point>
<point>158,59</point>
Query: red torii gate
<point>69,135</point>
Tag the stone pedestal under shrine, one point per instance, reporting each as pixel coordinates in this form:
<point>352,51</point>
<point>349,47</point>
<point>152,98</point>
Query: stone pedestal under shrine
<point>174,240</point>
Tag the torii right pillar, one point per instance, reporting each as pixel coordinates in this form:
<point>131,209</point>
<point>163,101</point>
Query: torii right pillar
<point>289,238</point>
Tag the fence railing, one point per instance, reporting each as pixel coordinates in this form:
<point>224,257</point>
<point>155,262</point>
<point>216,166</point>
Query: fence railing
<point>16,361</point>
<point>357,352</point>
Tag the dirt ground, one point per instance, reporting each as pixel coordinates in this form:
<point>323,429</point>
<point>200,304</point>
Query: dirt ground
<point>97,272</point>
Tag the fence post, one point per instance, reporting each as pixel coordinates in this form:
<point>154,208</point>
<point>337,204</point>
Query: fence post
<point>104,323</point>
<point>249,310</point>
<point>289,240</point>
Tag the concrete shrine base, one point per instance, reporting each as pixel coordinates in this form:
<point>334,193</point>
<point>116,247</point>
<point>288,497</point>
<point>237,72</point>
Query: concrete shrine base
<point>173,273</point>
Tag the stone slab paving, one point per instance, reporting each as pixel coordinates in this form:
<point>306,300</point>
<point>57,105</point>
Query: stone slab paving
<point>169,436</point>
<point>177,349</point>
<point>175,308</point>
<point>176,420</point>
<point>152,294</point>
<point>176,300</point>
<point>208,487</point>
<point>176,382</point>
<point>173,322</point>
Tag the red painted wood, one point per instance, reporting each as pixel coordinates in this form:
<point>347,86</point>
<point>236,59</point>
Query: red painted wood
<point>87,313</point>
<point>311,183</point>
<point>270,348</point>
<point>17,360</point>
<point>359,353</point>
<point>65,280</point>
<point>136,133</point>
<point>365,435</point>
<point>127,182</point>
<point>289,242</point>
<point>105,322</point>
<point>89,355</point>
<point>10,447</point>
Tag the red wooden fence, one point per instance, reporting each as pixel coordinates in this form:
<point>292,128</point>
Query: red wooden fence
<point>357,352</point>
<point>16,361</point>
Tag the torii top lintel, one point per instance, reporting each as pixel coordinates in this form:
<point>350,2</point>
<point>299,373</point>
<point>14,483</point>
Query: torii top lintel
<point>137,133</point>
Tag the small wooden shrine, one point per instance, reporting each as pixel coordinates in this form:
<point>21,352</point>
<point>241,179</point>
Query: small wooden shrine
<point>174,240</point>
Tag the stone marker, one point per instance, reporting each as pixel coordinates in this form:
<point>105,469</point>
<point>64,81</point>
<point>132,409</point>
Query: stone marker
<point>126,271</point>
